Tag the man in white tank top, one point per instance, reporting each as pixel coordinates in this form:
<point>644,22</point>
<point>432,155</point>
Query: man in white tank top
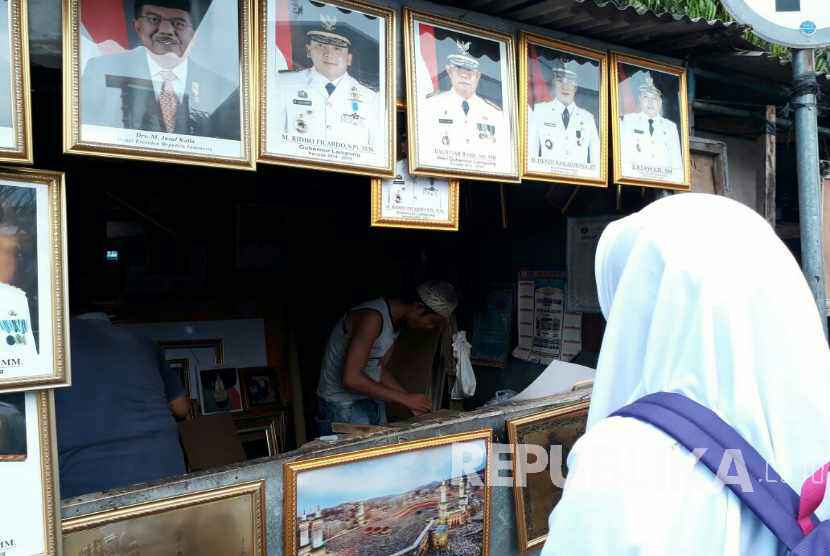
<point>354,385</point>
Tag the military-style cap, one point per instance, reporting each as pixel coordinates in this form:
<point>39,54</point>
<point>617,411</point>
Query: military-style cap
<point>327,33</point>
<point>565,70</point>
<point>647,86</point>
<point>462,58</point>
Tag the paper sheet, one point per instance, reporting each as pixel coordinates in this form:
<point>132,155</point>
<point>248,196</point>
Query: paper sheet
<point>557,378</point>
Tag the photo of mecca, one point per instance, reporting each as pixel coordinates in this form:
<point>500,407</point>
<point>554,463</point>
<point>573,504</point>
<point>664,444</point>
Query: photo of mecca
<point>424,502</point>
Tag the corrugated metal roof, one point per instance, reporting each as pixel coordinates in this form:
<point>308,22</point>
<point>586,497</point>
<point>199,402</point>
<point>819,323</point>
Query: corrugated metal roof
<point>605,20</point>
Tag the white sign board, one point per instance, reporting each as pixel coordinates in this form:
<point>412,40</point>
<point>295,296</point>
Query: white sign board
<point>793,23</point>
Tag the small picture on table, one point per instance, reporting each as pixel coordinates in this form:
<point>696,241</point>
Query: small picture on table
<point>220,392</point>
<point>259,386</point>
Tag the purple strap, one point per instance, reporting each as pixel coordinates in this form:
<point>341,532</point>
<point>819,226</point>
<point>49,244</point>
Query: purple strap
<point>695,427</point>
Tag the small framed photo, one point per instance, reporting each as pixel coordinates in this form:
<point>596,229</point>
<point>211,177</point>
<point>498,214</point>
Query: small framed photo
<point>461,91</point>
<point>219,391</point>
<point>414,202</point>
<point>15,96</point>
<point>563,107</point>
<point>556,430</point>
<point>327,80</point>
<point>162,80</point>
<point>29,473</point>
<point>260,387</point>
<point>417,501</point>
<point>34,338</point>
<point>232,522</point>
<point>650,123</point>
<point>262,436</point>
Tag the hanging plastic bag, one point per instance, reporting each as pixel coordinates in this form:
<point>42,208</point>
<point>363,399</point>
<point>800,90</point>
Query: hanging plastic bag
<point>465,377</point>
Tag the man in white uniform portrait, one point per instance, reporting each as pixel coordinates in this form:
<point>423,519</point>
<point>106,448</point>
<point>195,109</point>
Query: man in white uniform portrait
<point>651,142</point>
<point>562,136</point>
<point>325,101</point>
<point>16,337</point>
<point>459,118</point>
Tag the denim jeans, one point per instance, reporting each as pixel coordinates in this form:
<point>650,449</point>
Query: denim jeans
<point>362,412</point>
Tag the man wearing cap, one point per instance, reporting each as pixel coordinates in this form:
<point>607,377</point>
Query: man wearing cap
<point>16,336</point>
<point>459,119</point>
<point>354,383</point>
<point>324,101</point>
<point>156,86</point>
<point>650,142</point>
<point>562,137</point>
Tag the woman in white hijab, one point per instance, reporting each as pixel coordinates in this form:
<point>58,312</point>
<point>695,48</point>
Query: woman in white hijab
<point>704,300</point>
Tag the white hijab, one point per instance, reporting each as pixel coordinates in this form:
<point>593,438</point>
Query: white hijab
<point>702,299</point>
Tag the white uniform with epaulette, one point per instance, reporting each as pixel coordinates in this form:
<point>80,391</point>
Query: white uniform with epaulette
<point>480,129</point>
<point>552,146</point>
<point>305,108</point>
<point>16,338</point>
<point>651,147</point>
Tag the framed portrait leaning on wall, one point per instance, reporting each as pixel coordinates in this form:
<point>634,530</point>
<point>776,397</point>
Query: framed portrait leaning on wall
<point>563,108</point>
<point>15,97</point>
<point>327,85</point>
<point>34,336</point>
<point>28,475</point>
<point>461,95</point>
<point>163,80</point>
<point>650,123</point>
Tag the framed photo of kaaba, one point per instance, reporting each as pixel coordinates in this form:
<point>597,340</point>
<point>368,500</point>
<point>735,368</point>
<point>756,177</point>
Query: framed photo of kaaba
<point>536,494</point>
<point>34,335</point>
<point>29,474</point>
<point>327,85</point>
<point>15,96</point>
<point>563,108</point>
<point>162,80</point>
<point>425,497</point>
<point>461,95</point>
<point>649,123</point>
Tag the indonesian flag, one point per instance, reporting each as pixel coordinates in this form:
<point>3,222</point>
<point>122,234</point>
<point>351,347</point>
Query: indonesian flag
<point>539,91</point>
<point>103,29</point>
<point>628,93</point>
<point>282,33</point>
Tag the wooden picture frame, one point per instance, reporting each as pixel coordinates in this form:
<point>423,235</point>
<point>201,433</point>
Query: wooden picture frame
<point>649,128</point>
<point>295,124</point>
<point>118,93</point>
<point>582,145</point>
<point>15,87</point>
<point>260,388</point>
<point>270,428</point>
<point>33,521</point>
<point>481,141</point>
<point>535,501</point>
<point>34,351</point>
<point>237,515</point>
<point>311,490</point>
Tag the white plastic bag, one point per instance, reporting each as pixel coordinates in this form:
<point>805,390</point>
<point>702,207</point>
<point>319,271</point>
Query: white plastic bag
<point>465,377</point>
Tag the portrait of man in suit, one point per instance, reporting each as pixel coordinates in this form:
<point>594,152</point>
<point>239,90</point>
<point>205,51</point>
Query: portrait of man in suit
<point>157,86</point>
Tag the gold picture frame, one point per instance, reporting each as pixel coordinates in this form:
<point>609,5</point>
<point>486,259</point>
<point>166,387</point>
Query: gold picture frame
<point>19,87</point>
<point>162,520</point>
<point>20,482</point>
<point>121,147</point>
<point>460,498</point>
<point>600,119</point>
<point>43,297</point>
<point>269,427</point>
<point>543,495</point>
<point>216,344</point>
<point>416,221</point>
<point>387,75</point>
<point>486,122</point>
<point>681,126</point>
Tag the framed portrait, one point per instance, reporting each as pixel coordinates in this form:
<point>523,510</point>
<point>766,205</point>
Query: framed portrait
<point>536,498</point>
<point>206,352</point>
<point>563,107</point>
<point>327,85</point>
<point>34,332</point>
<point>219,391</point>
<point>260,387</point>
<point>163,80</point>
<point>461,92</point>
<point>15,96</point>
<point>29,474</point>
<point>415,202</point>
<point>417,500</point>
<point>229,520</point>
<point>650,123</point>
